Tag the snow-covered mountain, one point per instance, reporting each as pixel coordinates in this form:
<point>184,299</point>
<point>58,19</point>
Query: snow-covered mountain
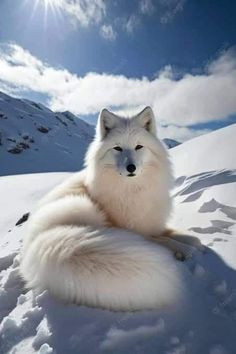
<point>205,199</point>
<point>35,139</point>
<point>170,143</point>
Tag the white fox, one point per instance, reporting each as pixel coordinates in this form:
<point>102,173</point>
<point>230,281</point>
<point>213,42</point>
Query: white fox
<point>91,239</point>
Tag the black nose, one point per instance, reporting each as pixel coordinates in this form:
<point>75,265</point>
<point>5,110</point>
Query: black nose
<point>131,168</point>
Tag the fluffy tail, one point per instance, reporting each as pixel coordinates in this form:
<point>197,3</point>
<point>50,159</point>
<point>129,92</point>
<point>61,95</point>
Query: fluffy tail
<point>109,268</point>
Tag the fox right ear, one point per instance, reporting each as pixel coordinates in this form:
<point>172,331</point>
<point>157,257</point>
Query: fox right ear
<point>106,122</point>
<point>146,119</point>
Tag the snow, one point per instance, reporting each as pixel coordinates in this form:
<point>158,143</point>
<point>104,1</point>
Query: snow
<point>205,206</point>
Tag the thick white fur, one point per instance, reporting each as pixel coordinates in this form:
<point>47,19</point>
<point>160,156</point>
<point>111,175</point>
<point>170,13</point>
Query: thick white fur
<point>89,241</point>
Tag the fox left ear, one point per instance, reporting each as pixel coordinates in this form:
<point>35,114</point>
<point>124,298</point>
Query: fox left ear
<point>106,122</point>
<point>147,120</point>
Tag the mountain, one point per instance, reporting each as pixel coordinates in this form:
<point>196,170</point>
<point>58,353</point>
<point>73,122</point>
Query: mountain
<point>35,139</point>
<point>205,206</point>
<point>170,143</point>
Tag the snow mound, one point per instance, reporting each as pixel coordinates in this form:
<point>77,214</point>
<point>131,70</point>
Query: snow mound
<point>205,206</point>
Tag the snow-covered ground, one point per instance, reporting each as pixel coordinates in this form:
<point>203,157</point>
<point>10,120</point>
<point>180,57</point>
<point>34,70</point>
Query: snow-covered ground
<point>205,206</point>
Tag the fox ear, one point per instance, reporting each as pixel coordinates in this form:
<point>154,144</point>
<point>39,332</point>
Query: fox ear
<point>106,122</point>
<point>146,119</point>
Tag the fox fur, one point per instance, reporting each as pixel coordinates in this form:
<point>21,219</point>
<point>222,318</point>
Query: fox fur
<point>91,239</point>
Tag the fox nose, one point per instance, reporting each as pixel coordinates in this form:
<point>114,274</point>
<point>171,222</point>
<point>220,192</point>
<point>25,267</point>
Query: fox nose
<point>131,168</point>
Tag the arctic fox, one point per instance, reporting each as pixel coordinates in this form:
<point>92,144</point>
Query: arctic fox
<point>92,239</point>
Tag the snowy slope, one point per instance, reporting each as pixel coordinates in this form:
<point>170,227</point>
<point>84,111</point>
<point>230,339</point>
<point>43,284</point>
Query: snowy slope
<point>205,207</point>
<point>35,139</point>
<point>205,179</point>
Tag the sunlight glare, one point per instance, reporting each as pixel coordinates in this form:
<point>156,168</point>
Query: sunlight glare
<point>50,6</point>
<point>51,3</point>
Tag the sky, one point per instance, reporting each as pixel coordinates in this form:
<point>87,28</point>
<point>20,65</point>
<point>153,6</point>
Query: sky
<point>178,56</point>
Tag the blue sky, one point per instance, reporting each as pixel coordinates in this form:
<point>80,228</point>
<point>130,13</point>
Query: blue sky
<point>176,55</point>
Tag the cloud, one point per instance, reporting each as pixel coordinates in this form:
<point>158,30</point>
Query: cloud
<point>146,7</point>
<point>107,32</point>
<point>169,9</point>
<point>179,133</point>
<point>166,10</point>
<point>177,102</point>
<point>83,12</point>
<point>131,23</point>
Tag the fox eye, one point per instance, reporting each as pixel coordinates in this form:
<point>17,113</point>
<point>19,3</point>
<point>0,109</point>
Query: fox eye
<point>117,148</point>
<point>138,147</point>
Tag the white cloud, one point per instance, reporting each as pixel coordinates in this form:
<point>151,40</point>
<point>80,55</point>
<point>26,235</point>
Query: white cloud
<point>179,133</point>
<point>83,12</point>
<point>146,7</point>
<point>107,32</point>
<point>224,64</point>
<point>180,102</point>
<point>131,23</point>
<point>170,8</point>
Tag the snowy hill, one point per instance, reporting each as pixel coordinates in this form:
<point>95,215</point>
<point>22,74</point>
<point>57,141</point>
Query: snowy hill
<point>205,192</point>
<point>35,139</point>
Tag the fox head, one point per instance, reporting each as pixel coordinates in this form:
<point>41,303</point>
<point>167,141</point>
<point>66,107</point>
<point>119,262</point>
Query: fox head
<point>127,148</point>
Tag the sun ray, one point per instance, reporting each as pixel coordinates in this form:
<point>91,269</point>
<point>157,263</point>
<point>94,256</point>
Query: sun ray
<point>52,4</point>
<point>35,6</point>
<point>48,6</point>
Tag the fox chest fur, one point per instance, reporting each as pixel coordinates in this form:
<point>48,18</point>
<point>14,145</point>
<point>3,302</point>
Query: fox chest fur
<point>139,207</point>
